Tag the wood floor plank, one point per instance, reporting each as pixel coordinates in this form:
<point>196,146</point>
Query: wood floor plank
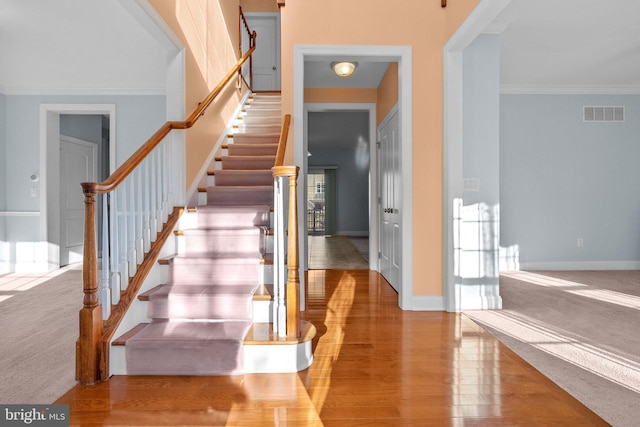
<point>374,365</point>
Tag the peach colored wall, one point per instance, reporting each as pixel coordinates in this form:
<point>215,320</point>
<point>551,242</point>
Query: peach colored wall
<point>209,31</point>
<point>387,92</point>
<point>339,95</point>
<point>426,27</point>
<point>259,6</point>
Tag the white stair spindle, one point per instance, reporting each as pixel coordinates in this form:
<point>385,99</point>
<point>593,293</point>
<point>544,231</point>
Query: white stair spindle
<point>123,237</point>
<point>105,291</point>
<point>146,201</point>
<point>115,247</point>
<point>138,216</point>
<point>131,219</point>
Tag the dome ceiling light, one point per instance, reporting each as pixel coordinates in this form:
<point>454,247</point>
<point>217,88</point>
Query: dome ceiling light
<point>344,68</point>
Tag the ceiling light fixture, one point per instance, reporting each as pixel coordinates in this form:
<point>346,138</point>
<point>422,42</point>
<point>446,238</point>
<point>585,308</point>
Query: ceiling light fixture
<point>344,68</point>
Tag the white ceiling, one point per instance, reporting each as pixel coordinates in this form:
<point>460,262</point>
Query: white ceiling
<point>570,46</point>
<point>547,45</point>
<point>78,46</point>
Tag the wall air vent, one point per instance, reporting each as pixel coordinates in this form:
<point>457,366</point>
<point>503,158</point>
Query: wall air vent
<point>603,114</point>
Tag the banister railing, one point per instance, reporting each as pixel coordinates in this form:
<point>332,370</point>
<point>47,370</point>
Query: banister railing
<point>136,201</point>
<point>242,23</point>
<point>286,298</point>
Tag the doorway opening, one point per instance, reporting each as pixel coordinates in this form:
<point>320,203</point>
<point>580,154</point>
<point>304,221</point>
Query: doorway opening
<point>56,120</point>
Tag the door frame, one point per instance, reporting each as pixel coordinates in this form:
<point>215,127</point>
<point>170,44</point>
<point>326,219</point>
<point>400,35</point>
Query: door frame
<point>50,167</point>
<point>402,55</point>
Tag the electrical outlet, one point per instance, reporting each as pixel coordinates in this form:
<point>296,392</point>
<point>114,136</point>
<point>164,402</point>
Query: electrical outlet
<point>580,242</point>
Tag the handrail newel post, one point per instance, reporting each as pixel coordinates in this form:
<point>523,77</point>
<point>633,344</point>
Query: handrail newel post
<point>88,346</point>
<point>293,282</point>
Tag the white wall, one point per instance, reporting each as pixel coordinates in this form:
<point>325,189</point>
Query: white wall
<point>562,179</point>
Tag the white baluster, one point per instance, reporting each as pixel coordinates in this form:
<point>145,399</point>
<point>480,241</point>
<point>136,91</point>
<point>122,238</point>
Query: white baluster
<point>146,201</point>
<point>131,218</point>
<point>105,291</point>
<point>123,237</point>
<point>138,216</point>
<point>115,247</point>
<point>153,220</point>
<point>276,254</point>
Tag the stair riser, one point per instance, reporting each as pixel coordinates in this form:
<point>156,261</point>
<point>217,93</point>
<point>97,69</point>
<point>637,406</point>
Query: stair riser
<point>238,307</point>
<point>240,138</point>
<point>252,149</point>
<point>191,361</point>
<point>222,196</point>
<point>248,162</point>
<point>235,218</point>
<point>245,246</point>
<point>241,178</point>
<point>221,274</point>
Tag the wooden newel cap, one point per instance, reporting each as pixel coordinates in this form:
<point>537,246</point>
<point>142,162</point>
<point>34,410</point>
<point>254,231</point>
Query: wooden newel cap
<point>290,171</point>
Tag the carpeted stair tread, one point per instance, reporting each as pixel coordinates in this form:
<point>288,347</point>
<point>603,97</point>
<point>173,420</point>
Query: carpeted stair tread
<point>226,269</point>
<point>177,347</point>
<point>213,216</point>
<point>243,242</point>
<point>240,195</point>
<point>240,149</point>
<point>231,177</point>
<point>248,162</point>
<point>256,138</point>
<point>202,302</point>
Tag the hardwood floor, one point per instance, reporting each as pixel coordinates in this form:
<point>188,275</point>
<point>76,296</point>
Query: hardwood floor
<point>374,365</point>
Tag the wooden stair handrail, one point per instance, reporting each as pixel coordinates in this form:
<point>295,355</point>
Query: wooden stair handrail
<point>282,143</point>
<point>252,42</point>
<point>136,158</point>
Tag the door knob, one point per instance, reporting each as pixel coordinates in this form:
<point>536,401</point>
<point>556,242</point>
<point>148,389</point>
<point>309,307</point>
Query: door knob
<point>273,68</point>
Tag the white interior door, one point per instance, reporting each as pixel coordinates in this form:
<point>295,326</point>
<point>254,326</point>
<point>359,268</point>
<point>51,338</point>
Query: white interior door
<point>266,58</point>
<point>78,163</point>
<point>390,201</point>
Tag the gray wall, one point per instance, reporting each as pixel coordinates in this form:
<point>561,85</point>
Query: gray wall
<point>137,118</point>
<point>562,179</point>
<point>3,167</point>
<point>339,139</point>
<point>353,189</point>
<point>479,221</point>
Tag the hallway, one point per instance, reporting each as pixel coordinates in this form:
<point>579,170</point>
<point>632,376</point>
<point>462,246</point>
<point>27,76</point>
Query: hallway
<point>374,364</point>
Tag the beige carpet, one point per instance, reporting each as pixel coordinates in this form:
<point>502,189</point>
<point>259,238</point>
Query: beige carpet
<point>38,331</point>
<point>580,329</point>
<point>335,253</point>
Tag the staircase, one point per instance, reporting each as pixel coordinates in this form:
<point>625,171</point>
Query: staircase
<point>212,313</point>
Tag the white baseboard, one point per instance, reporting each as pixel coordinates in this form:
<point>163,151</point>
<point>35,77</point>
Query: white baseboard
<point>419,303</point>
<point>481,302</point>
<point>581,265</point>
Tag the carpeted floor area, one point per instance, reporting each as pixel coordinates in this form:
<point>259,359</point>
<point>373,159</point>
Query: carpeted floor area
<point>38,331</point>
<point>580,329</point>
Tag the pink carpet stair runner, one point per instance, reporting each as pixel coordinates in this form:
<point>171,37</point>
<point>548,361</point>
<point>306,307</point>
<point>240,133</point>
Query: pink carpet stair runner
<point>201,316</point>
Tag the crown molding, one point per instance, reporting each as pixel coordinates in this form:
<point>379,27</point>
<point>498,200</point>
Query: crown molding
<point>569,90</point>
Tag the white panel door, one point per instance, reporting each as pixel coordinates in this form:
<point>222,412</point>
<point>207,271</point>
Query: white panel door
<point>78,163</point>
<point>390,202</point>
<point>266,58</point>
